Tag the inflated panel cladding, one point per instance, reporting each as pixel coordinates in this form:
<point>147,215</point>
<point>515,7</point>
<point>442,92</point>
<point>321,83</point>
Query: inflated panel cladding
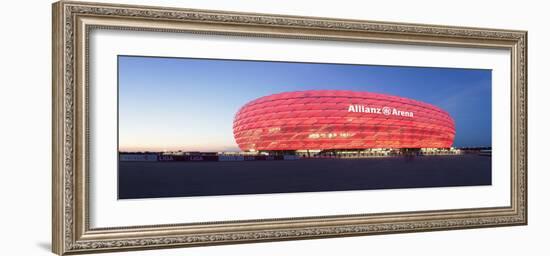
<point>337,119</point>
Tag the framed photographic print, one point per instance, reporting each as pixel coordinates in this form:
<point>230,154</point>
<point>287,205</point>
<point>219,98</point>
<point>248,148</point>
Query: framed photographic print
<point>179,127</point>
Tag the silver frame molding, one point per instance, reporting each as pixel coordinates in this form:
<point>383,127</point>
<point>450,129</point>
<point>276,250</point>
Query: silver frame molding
<point>72,22</point>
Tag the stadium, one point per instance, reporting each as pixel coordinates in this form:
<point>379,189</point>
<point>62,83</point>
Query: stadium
<point>334,122</point>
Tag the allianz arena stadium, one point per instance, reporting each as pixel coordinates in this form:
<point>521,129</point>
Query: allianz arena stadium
<point>330,120</point>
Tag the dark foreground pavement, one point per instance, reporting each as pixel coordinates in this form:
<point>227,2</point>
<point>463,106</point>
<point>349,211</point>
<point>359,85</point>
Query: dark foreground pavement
<point>176,179</point>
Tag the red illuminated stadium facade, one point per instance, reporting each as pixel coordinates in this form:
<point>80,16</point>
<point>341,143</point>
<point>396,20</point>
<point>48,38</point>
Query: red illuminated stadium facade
<point>337,120</point>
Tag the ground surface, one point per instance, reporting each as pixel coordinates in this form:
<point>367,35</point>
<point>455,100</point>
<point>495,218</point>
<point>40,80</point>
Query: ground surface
<point>176,179</point>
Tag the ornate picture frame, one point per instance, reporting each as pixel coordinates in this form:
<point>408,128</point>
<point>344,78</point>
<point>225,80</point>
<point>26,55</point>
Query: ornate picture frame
<point>72,24</point>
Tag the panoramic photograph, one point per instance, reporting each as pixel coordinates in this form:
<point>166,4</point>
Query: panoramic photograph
<point>217,127</point>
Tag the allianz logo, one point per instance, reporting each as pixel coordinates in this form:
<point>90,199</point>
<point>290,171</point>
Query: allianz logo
<point>356,108</point>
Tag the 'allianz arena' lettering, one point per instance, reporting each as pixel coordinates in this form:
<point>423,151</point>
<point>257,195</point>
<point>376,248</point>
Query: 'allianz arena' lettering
<point>318,120</point>
<point>384,110</point>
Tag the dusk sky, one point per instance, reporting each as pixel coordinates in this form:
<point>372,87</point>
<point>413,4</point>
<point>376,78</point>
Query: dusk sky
<point>189,104</point>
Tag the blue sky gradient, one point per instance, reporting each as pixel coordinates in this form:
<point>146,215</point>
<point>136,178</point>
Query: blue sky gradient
<point>189,104</point>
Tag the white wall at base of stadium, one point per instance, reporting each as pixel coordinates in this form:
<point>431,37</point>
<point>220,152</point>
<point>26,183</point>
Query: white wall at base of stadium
<point>230,158</point>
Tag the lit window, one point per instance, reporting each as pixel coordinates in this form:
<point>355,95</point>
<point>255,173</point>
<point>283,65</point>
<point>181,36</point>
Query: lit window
<point>314,136</point>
